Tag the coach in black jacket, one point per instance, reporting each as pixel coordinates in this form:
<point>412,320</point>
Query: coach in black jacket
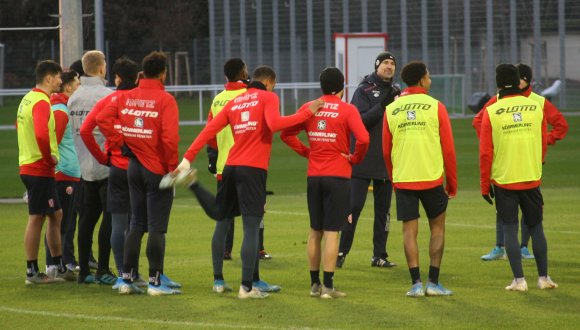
<point>371,97</point>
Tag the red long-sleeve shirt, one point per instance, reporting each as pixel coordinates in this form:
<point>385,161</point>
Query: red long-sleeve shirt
<point>329,136</point>
<point>111,153</point>
<point>40,116</point>
<point>553,116</point>
<point>254,116</point>
<point>447,148</point>
<point>486,156</point>
<point>149,120</point>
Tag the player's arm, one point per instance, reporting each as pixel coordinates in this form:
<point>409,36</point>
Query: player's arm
<point>40,116</point>
<point>357,127</point>
<point>170,134</point>
<point>557,121</point>
<point>86,132</point>
<point>277,123</point>
<point>290,137</point>
<point>485,154</point>
<point>60,122</point>
<point>213,142</point>
<point>218,123</point>
<point>106,122</point>
<point>387,148</point>
<point>448,149</point>
<point>476,123</point>
<point>370,115</point>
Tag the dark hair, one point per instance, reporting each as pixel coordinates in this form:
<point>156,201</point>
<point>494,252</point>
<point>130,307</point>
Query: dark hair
<point>233,68</point>
<point>413,72</point>
<point>154,64</point>
<point>45,68</point>
<point>331,81</point>
<point>67,77</point>
<point>263,72</point>
<point>126,69</point>
<point>77,66</point>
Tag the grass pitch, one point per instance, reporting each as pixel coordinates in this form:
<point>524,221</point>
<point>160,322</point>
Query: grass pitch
<point>376,297</point>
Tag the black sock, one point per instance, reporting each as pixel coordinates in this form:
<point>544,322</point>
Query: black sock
<point>31,267</point>
<point>218,277</point>
<point>154,277</point>
<point>256,275</point>
<point>314,277</point>
<point>328,279</point>
<point>523,246</point>
<point>434,275</point>
<point>247,285</point>
<point>415,275</point>
<point>58,262</point>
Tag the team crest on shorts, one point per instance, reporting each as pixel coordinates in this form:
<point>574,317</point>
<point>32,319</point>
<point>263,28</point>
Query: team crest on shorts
<point>517,117</point>
<point>245,116</point>
<point>139,122</point>
<point>411,115</point>
<point>321,125</point>
<point>51,202</point>
<point>376,93</point>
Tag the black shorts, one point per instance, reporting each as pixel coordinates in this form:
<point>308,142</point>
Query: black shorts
<point>150,206</point>
<point>508,201</point>
<point>118,191</point>
<point>42,196</point>
<point>328,202</point>
<point>242,191</point>
<point>434,203</point>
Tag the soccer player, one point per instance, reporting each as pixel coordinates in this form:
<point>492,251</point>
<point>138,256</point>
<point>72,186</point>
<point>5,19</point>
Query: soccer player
<point>118,204</point>
<point>419,152</point>
<point>558,132</point>
<point>254,116</point>
<point>37,158</point>
<point>329,171</point>
<point>149,121</point>
<point>371,97</point>
<point>93,175</point>
<point>67,175</point>
<point>511,150</point>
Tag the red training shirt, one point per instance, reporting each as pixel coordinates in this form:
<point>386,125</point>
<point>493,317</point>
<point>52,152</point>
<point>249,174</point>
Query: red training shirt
<point>253,116</point>
<point>149,120</point>
<point>328,135</point>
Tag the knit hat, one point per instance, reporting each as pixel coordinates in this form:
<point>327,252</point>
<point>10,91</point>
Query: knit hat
<point>384,56</point>
<point>525,73</point>
<point>331,81</point>
<point>413,72</point>
<point>507,76</point>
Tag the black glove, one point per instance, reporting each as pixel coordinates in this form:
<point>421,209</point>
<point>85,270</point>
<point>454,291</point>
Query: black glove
<point>125,151</point>
<point>390,96</point>
<point>489,197</point>
<point>212,156</point>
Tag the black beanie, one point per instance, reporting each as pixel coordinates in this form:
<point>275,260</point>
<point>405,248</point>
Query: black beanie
<point>384,56</point>
<point>507,76</point>
<point>525,73</point>
<point>331,81</point>
<point>413,72</point>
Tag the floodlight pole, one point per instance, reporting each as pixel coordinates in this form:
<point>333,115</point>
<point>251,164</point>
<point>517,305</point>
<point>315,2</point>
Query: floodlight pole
<point>71,31</point>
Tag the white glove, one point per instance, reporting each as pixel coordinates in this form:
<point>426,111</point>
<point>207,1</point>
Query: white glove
<point>185,165</point>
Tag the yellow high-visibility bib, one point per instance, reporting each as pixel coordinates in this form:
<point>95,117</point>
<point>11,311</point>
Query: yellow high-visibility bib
<point>516,124</point>
<point>225,138</point>
<point>414,124</point>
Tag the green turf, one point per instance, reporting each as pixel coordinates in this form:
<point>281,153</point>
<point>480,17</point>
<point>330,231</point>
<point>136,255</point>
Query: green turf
<point>376,296</point>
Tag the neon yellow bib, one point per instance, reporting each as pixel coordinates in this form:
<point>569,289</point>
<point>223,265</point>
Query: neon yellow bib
<point>28,151</point>
<point>225,138</point>
<point>517,140</point>
<point>414,124</point>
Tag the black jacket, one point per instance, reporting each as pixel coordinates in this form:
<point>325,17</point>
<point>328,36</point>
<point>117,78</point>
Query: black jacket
<point>370,98</point>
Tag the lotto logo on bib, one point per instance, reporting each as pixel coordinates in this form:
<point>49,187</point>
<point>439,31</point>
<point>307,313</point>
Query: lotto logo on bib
<point>411,115</point>
<point>321,125</point>
<point>517,117</point>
